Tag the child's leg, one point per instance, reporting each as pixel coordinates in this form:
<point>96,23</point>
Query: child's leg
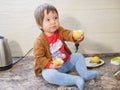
<point>55,77</point>
<point>81,67</point>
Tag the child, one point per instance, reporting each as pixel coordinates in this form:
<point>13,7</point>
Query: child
<point>51,45</point>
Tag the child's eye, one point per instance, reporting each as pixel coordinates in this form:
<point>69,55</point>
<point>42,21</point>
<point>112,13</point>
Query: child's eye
<point>56,18</point>
<point>48,19</point>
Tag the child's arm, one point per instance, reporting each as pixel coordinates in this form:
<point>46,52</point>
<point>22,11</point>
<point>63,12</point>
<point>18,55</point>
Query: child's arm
<point>67,35</point>
<point>41,58</point>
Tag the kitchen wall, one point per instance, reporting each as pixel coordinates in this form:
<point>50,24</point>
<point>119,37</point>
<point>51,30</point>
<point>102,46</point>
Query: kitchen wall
<point>98,19</point>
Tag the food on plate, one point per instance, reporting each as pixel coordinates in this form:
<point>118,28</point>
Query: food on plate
<point>77,34</point>
<point>95,59</point>
<point>115,60</point>
<point>58,61</point>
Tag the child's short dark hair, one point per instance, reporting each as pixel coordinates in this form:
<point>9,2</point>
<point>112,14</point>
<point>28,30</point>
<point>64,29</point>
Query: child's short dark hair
<point>39,12</point>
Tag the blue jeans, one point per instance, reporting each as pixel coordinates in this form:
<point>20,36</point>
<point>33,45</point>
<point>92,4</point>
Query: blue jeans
<point>59,77</point>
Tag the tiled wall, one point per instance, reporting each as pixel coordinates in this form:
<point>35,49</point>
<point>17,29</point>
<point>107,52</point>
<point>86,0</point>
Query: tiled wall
<point>98,19</point>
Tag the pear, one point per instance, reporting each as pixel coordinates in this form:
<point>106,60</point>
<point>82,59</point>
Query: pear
<point>77,34</point>
<point>58,61</point>
<point>95,59</point>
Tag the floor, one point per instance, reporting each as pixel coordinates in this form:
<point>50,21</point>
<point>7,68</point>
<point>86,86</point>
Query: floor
<point>21,77</point>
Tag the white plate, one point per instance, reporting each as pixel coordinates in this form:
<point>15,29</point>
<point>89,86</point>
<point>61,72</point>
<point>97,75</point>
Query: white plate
<point>88,64</point>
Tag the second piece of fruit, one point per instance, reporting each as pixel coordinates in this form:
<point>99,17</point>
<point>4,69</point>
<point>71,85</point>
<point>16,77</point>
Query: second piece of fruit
<point>58,61</point>
<point>95,59</point>
<point>77,34</point>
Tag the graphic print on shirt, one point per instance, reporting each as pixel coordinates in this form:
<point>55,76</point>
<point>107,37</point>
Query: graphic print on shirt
<point>55,50</point>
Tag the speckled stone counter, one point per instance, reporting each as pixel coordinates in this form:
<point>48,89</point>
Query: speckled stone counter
<point>21,77</point>
<point>106,80</point>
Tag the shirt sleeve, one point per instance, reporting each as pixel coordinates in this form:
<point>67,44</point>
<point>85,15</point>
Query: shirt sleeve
<point>48,65</point>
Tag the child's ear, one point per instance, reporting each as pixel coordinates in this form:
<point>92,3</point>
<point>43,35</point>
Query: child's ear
<point>40,26</point>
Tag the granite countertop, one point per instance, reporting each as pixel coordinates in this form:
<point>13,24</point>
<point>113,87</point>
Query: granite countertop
<point>21,77</point>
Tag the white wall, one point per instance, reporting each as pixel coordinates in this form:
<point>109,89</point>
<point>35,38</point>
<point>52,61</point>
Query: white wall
<point>99,20</point>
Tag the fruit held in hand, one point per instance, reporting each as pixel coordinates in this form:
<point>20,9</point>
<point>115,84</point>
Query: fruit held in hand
<point>58,61</point>
<point>95,59</point>
<point>77,34</point>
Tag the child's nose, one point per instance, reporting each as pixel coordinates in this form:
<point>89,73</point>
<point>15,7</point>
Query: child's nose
<point>52,21</point>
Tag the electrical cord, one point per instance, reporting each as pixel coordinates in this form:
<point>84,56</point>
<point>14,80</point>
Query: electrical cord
<point>22,57</point>
<point>77,46</point>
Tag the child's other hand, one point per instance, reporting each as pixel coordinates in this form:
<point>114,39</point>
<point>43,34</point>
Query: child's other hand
<point>78,36</point>
<point>80,39</point>
<point>55,66</point>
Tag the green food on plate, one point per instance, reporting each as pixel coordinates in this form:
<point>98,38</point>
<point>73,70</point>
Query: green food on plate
<point>116,59</point>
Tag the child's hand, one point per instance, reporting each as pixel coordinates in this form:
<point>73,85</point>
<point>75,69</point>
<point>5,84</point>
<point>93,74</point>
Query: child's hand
<point>57,63</point>
<point>78,36</point>
<point>55,66</point>
<point>80,39</point>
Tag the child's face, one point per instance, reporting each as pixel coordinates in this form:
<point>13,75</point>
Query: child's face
<point>50,22</point>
